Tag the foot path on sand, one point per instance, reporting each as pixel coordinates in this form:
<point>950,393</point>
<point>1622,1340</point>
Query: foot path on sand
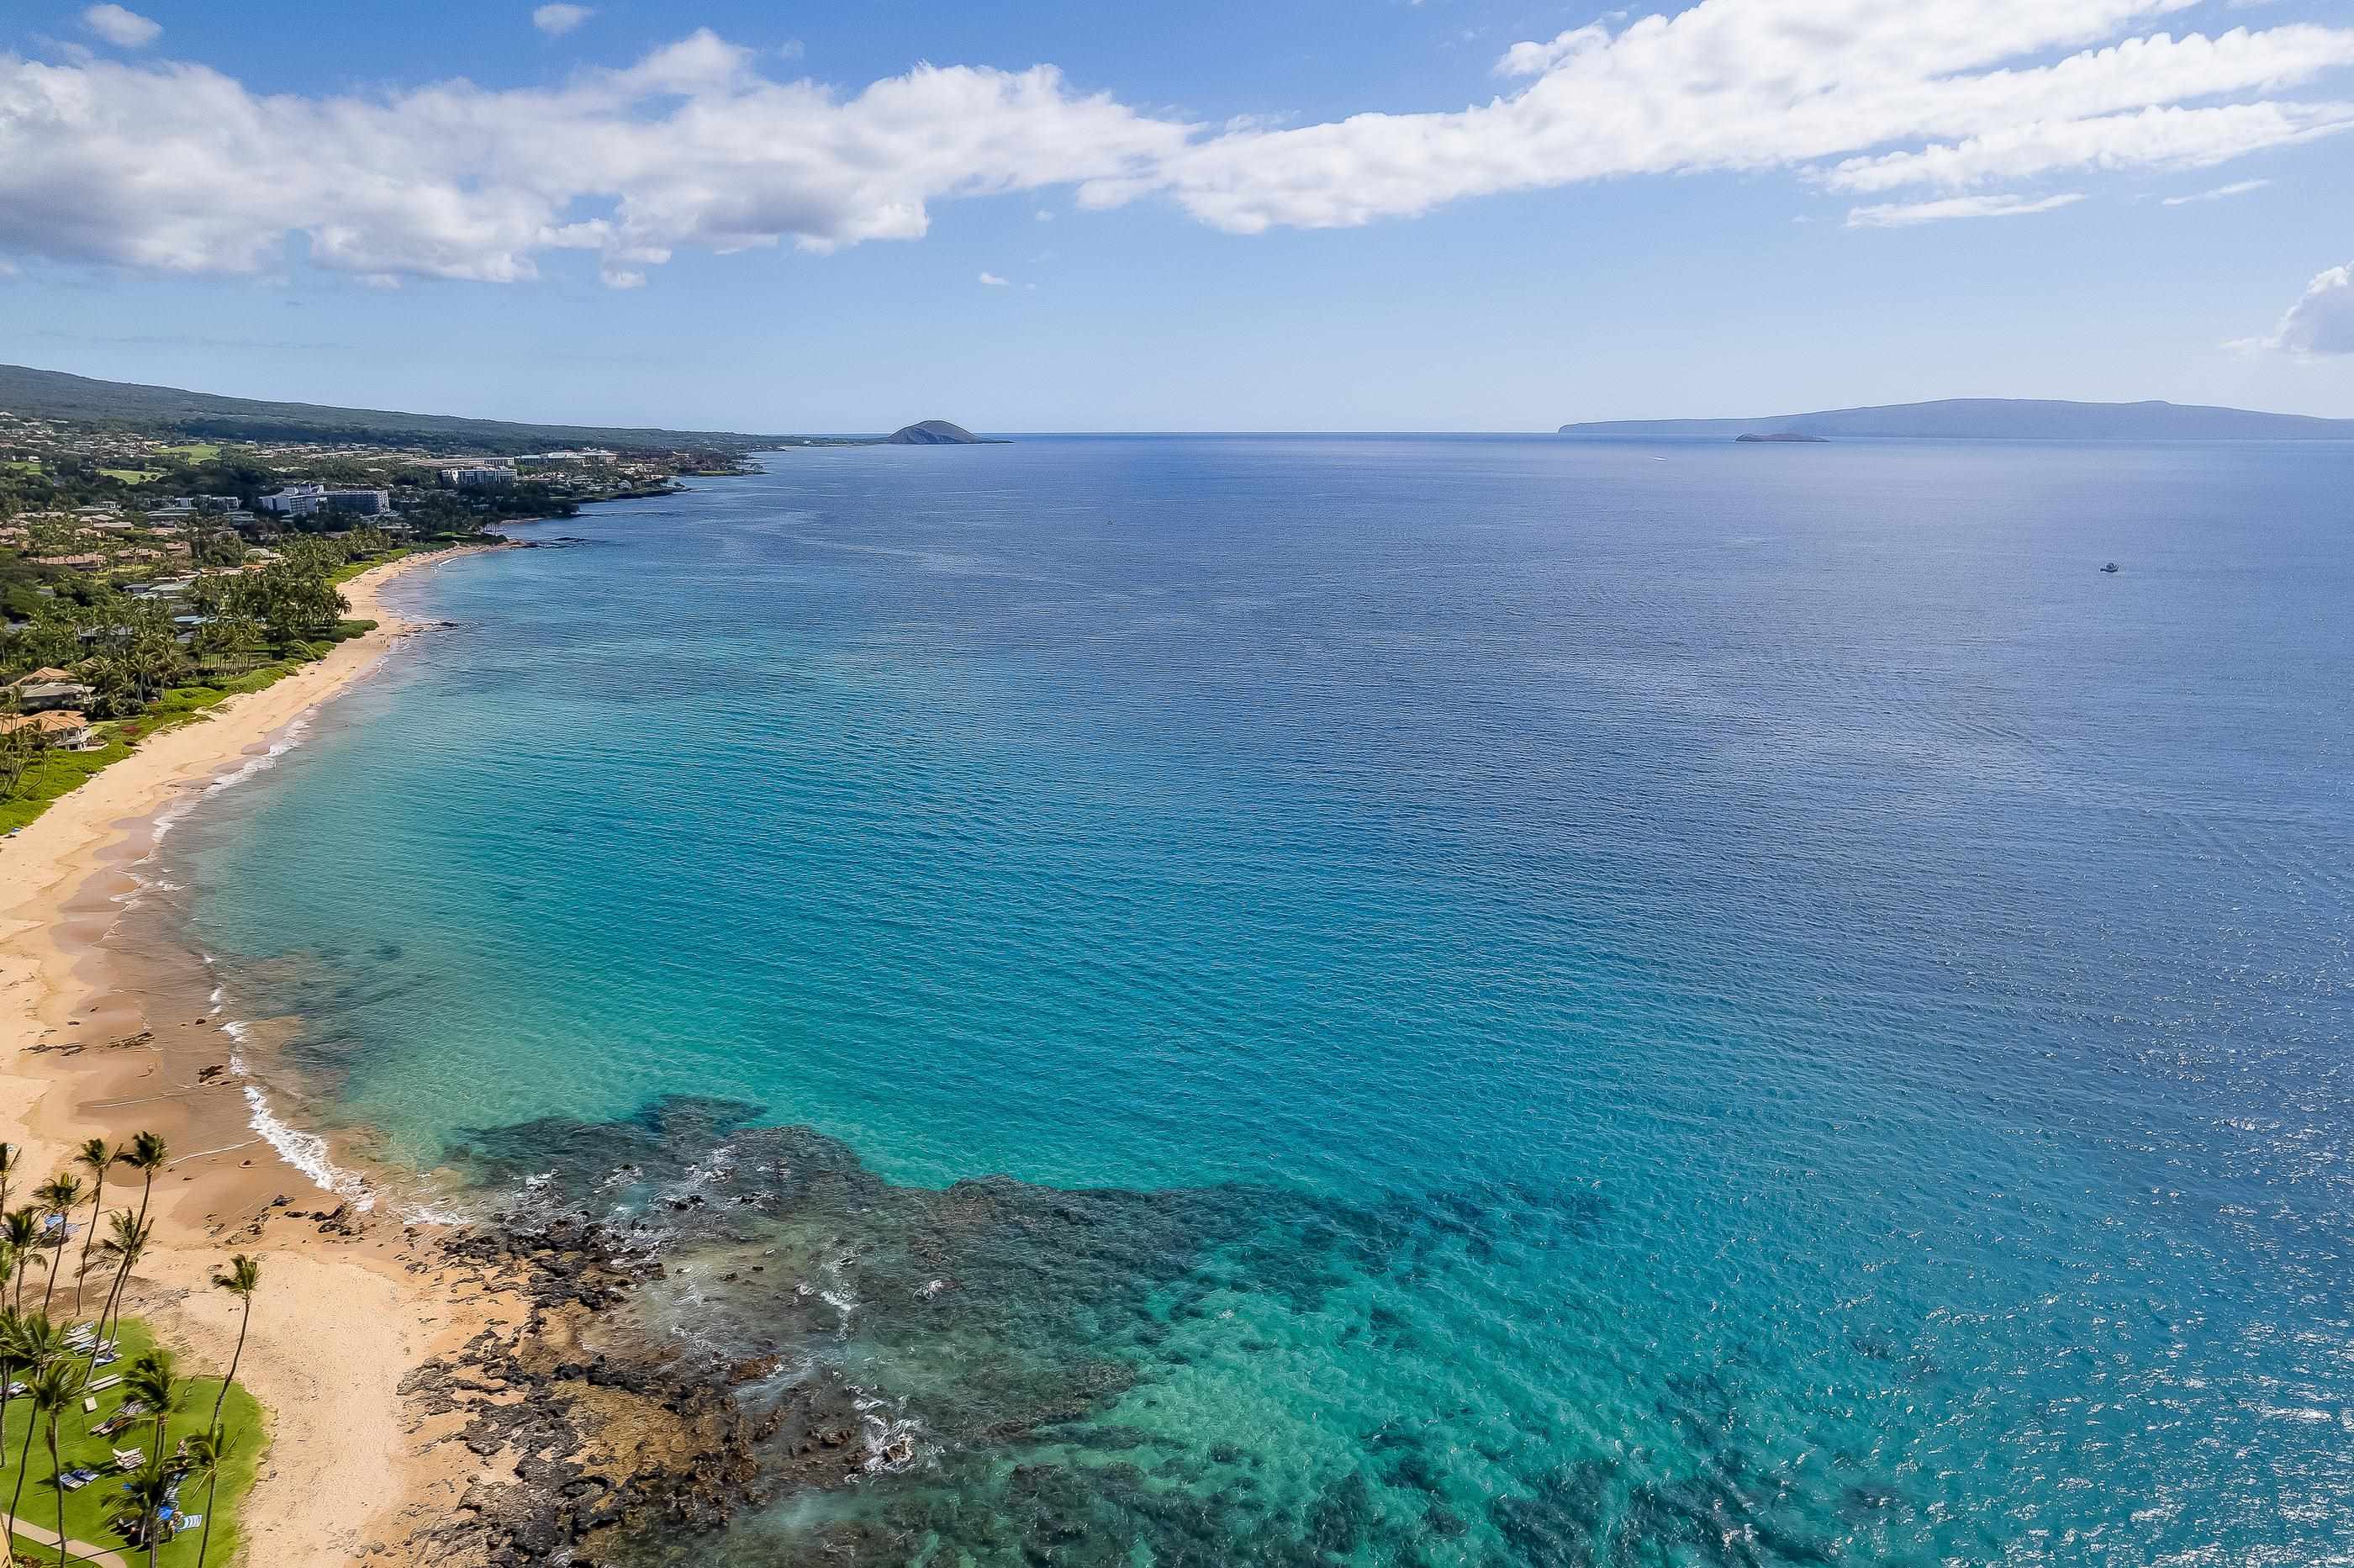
<point>82,1550</point>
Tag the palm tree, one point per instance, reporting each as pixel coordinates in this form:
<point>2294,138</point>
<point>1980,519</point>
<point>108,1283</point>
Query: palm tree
<point>154,663</point>
<point>35,1345</point>
<point>242,1277</point>
<point>208,1453</point>
<point>10,1155</point>
<point>53,1390</point>
<point>58,1195</point>
<point>110,679</point>
<point>147,1155</point>
<point>149,1487</point>
<point>94,1156</point>
<point>23,1468</point>
<point>128,1240</point>
<point>9,1367</point>
<point>22,1231</point>
<point>152,1381</point>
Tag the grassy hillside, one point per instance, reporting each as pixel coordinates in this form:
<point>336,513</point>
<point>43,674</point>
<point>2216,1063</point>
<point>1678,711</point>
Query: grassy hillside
<point>203,417</point>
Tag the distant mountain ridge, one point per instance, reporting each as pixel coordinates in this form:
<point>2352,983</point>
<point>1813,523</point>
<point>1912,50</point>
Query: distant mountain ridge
<point>2004,419</point>
<point>54,395</point>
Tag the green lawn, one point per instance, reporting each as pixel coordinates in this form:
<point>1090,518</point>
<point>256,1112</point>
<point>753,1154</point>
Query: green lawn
<point>22,465</point>
<point>87,1511</point>
<point>54,774</point>
<point>351,570</point>
<point>132,475</point>
<point>195,452</point>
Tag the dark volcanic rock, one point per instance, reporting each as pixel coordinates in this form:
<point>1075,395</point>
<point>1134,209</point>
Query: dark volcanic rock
<point>614,1436</point>
<point>995,1324</point>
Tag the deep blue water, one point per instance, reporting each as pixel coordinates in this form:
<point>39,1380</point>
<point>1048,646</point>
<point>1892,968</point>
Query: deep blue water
<point>1661,1004</point>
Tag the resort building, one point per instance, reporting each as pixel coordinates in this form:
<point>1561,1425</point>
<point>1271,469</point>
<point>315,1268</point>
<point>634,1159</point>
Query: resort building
<point>308,500</point>
<point>361,502</point>
<point>294,501</point>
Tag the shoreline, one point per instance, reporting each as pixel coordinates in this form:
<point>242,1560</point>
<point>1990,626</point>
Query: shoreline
<point>102,1040</point>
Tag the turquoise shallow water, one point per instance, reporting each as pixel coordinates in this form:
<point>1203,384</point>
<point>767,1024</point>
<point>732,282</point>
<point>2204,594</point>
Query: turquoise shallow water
<point>1598,1002</point>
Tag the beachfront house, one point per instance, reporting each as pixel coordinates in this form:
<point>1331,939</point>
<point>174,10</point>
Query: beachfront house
<point>49,690</point>
<point>59,730</point>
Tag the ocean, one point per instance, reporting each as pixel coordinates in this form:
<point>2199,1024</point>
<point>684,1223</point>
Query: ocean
<point>1399,1001</point>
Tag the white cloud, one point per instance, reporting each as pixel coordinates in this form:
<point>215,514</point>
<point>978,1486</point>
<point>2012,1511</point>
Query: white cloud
<point>2237,187</point>
<point>180,167</point>
<point>993,280</point>
<point>1535,60</point>
<point>2168,138</point>
<point>559,19</point>
<point>1964,91</point>
<point>2320,322</point>
<point>1904,215</point>
<point>124,28</point>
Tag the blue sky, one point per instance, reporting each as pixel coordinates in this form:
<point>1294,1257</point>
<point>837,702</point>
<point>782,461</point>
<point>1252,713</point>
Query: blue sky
<point>1738,207</point>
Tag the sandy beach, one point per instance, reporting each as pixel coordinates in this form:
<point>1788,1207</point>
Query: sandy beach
<point>93,1042</point>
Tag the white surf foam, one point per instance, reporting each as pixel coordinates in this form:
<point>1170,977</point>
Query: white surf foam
<point>295,733</point>
<point>306,1152</point>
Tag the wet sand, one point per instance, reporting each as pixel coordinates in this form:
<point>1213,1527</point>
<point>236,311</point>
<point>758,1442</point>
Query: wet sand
<point>95,1039</point>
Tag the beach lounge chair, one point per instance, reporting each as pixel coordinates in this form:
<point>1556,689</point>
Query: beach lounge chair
<point>89,1405</point>
<point>117,1422</point>
<point>109,1381</point>
<point>128,1458</point>
<point>75,1479</point>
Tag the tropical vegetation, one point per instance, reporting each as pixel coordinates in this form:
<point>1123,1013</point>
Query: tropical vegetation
<point>104,1436</point>
<point>152,662</point>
